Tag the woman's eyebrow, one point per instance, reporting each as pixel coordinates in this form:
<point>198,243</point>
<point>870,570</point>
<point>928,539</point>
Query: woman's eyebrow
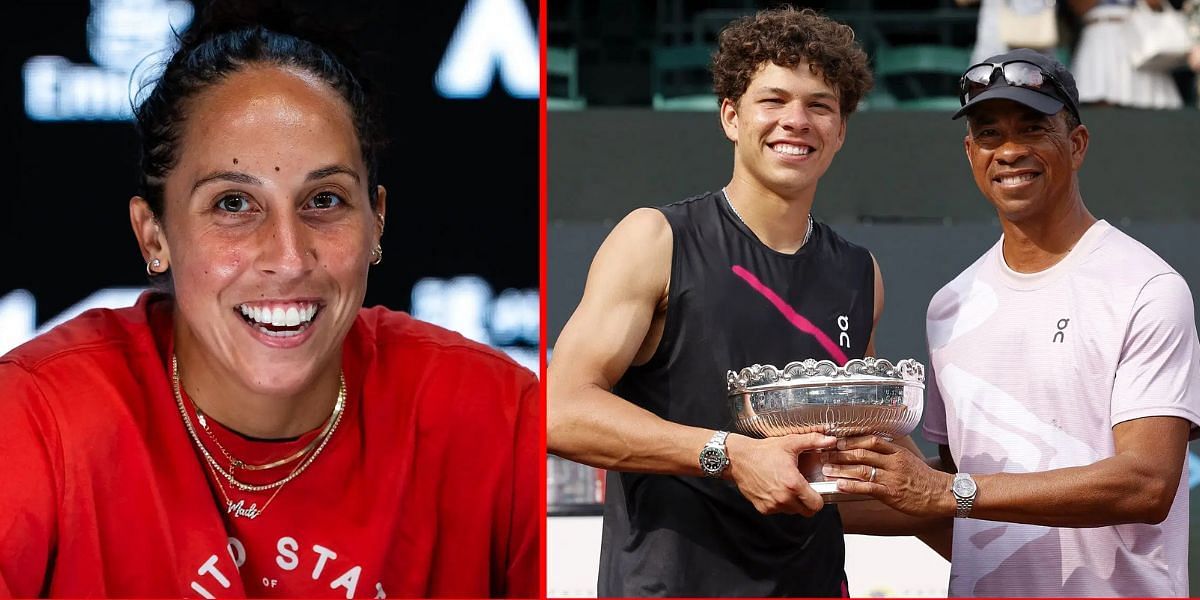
<point>248,179</point>
<point>324,172</point>
<point>232,176</point>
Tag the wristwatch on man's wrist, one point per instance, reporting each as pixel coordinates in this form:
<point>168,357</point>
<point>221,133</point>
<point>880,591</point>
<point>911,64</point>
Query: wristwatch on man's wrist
<point>964,490</point>
<point>713,459</point>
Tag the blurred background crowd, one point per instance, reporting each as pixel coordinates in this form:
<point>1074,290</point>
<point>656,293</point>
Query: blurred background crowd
<point>656,53</point>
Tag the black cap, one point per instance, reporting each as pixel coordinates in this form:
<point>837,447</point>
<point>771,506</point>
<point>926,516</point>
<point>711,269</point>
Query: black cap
<point>1049,101</point>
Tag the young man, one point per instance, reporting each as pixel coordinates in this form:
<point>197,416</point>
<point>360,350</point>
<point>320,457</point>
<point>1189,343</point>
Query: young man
<point>679,295</point>
<point>1066,361</point>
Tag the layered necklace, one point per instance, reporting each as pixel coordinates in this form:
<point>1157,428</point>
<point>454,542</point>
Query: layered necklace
<point>303,457</point>
<point>729,203</point>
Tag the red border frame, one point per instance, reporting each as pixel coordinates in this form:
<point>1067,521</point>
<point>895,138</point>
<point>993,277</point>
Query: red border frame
<point>542,220</point>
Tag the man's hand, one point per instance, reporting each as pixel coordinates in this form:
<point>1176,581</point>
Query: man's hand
<point>871,466</point>
<point>766,471</point>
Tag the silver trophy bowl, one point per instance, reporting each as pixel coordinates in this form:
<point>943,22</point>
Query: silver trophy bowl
<point>868,396</point>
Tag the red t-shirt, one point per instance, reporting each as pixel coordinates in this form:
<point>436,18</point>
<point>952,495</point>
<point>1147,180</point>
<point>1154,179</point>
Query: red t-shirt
<point>429,487</point>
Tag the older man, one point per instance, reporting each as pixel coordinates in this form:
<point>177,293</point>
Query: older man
<point>1066,374</point>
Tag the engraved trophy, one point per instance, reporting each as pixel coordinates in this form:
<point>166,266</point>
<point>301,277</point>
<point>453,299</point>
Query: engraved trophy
<point>867,396</point>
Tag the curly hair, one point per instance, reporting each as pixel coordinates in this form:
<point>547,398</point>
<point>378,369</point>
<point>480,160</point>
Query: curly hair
<point>786,37</point>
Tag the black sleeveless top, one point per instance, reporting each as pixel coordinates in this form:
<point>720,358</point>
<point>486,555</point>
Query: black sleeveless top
<point>733,302</point>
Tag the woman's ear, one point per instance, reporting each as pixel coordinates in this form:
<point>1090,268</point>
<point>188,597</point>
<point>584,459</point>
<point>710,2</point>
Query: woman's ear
<point>380,211</point>
<point>152,240</point>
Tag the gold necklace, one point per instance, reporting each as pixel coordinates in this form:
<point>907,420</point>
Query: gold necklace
<point>334,419</point>
<point>239,509</point>
<point>237,463</point>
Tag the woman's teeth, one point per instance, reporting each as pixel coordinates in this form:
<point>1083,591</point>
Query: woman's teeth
<point>288,316</point>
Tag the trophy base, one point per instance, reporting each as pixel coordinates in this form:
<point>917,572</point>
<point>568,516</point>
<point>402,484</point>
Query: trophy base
<point>830,494</point>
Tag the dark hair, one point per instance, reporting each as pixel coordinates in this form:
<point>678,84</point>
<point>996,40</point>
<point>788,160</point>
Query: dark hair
<point>1072,120</point>
<point>227,39</point>
<point>786,37</point>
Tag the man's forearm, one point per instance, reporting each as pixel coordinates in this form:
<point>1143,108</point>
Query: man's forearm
<point>598,428</point>
<point>588,424</point>
<point>871,517</point>
<point>1113,491</point>
<point>1136,485</point>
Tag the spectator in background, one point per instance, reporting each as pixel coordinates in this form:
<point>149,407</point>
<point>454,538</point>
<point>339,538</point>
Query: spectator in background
<point>987,30</point>
<point>1102,66</point>
<point>990,37</point>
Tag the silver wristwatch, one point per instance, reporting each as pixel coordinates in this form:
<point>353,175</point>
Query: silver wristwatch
<point>964,490</point>
<point>713,459</point>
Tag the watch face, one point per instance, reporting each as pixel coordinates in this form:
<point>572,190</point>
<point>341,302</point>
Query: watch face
<point>712,460</point>
<point>964,487</point>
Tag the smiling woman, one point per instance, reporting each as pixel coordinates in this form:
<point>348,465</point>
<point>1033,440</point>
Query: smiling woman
<point>248,429</point>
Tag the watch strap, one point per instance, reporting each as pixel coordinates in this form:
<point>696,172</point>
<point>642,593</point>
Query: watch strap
<point>964,504</point>
<point>718,439</point>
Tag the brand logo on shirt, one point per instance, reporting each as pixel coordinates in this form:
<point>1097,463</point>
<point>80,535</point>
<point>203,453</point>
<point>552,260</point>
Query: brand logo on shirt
<point>1061,335</point>
<point>844,336</point>
<point>796,319</point>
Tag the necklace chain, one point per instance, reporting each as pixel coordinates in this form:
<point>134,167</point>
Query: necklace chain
<point>729,203</point>
<point>239,509</point>
<point>237,463</point>
<point>330,426</point>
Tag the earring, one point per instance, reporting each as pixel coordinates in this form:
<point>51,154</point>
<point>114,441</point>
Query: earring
<point>377,254</point>
<point>152,267</point>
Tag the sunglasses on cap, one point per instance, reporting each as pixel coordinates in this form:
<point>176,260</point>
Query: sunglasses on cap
<point>1017,73</point>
